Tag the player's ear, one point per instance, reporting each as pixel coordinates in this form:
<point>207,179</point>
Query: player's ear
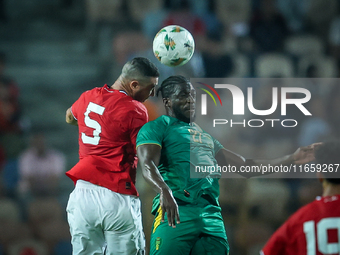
<point>167,102</point>
<point>134,84</point>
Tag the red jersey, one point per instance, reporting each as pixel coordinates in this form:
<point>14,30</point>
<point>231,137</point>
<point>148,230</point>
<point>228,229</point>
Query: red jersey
<point>108,123</point>
<point>312,230</point>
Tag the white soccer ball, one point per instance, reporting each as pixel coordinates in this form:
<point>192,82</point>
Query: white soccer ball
<point>173,45</point>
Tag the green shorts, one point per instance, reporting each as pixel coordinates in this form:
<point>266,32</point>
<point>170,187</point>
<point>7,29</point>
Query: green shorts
<point>201,232</point>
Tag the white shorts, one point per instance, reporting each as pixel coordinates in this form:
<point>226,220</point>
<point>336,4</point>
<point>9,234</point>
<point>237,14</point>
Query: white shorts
<point>104,222</point>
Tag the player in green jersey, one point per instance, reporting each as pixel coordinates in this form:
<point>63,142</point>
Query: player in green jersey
<point>168,148</point>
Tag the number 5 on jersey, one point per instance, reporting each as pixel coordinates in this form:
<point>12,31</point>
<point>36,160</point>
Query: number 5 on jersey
<point>92,107</point>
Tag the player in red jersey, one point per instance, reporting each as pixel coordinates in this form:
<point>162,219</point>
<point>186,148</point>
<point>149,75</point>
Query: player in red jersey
<point>315,228</point>
<point>104,209</point>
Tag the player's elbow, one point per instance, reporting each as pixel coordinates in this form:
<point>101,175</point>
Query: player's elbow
<point>68,121</point>
<point>69,118</point>
<point>146,170</point>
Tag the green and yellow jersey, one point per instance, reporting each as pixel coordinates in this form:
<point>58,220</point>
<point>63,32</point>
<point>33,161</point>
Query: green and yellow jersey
<point>184,149</point>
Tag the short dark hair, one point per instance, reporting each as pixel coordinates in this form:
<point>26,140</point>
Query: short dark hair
<point>139,67</point>
<point>328,153</point>
<point>167,87</point>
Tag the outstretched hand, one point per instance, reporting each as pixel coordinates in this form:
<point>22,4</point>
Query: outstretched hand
<point>304,155</point>
<point>169,206</point>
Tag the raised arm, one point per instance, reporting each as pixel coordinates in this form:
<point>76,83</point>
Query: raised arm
<point>148,156</point>
<point>302,155</point>
<point>70,118</point>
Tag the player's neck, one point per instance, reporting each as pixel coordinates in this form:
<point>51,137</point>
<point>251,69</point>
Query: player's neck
<point>171,114</point>
<point>120,85</point>
<point>330,190</point>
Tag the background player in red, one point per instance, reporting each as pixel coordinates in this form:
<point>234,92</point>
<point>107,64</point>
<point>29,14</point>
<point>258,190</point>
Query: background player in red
<point>104,209</point>
<point>315,228</point>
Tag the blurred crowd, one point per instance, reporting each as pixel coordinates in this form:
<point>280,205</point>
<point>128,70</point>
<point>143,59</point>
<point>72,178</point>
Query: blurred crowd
<point>277,39</point>
<point>32,219</point>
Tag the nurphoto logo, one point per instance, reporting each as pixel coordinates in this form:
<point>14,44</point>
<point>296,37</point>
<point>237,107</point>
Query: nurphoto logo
<point>281,97</point>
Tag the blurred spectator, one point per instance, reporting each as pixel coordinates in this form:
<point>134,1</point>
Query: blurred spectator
<point>294,12</point>
<point>312,84</point>
<point>101,16</point>
<point>268,28</point>
<point>9,106</point>
<point>40,169</point>
<point>312,71</point>
<point>235,15</point>
<point>206,9</point>
<point>153,20</point>
<point>334,37</point>
<point>10,129</point>
<point>319,16</point>
<point>181,14</point>
<point>149,14</point>
<point>217,63</point>
<point>333,111</point>
<point>46,219</point>
<point>195,15</point>
<point>128,43</point>
<point>314,128</point>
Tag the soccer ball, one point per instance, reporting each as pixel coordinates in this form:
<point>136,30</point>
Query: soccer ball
<point>173,46</point>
